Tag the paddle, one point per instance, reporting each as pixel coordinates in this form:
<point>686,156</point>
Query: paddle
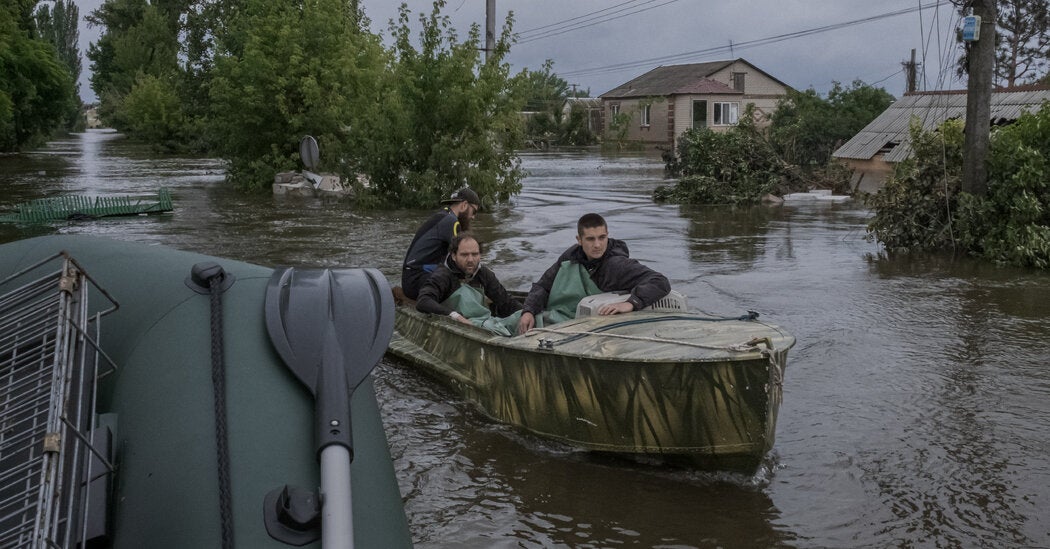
<point>330,327</point>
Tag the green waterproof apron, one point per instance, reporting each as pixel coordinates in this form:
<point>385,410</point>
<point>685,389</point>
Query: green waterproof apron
<point>470,302</point>
<point>571,284</point>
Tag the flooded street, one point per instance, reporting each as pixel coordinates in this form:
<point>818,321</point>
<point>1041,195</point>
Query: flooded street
<point>916,401</point>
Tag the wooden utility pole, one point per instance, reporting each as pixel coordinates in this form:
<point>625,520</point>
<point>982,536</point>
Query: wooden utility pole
<point>980,64</point>
<point>911,70</point>
<point>490,27</point>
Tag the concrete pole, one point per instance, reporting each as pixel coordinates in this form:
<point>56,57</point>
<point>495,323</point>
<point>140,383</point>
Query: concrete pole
<point>490,27</point>
<point>981,60</point>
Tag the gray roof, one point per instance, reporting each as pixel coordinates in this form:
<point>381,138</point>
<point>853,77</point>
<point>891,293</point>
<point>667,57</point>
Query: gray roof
<point>890,129</point>
<point>679,79</point>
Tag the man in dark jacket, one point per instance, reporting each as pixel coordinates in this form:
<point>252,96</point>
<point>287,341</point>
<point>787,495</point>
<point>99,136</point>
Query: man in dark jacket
<point>463,266</point>
<point>610,267</point>
<point>430,245</point>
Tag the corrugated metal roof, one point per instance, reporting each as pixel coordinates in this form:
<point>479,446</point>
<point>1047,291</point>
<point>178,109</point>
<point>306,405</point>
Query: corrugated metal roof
<point>890,129</point>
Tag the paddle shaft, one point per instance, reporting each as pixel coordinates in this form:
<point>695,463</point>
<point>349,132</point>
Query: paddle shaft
<point>337,509</point>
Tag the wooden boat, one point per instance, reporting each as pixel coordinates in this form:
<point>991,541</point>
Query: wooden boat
<point>155,480</point>
<point>684,386</point>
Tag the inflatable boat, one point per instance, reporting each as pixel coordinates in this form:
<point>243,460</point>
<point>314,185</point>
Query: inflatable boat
<point>117,429</point>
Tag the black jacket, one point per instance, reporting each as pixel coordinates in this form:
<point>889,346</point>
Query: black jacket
<point>614,271</point>
<point>448,277</point>
<point>428,248</point>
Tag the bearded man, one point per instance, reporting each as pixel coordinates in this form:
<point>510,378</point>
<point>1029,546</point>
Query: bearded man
<point>462,267</point>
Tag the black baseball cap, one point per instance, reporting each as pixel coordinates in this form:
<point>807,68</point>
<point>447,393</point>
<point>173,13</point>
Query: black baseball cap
<point>467,194</point>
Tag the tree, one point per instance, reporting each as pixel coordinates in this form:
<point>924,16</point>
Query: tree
<point>806,129</point>
<point>545,96</point>
<point>59,26</point>
<point>1022,38</point>
<point>36,90</point>
<point>451,120</point>
<point>138,40</point>
<point>302,69</point>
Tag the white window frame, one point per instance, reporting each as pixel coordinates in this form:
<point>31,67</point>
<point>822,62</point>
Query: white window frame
<point>614,109</point>
<point>647,115</point>
<point>724,110</point>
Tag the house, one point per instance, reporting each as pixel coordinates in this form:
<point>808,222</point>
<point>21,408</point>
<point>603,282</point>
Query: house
<point>661,104</point>
<point>872,153</point>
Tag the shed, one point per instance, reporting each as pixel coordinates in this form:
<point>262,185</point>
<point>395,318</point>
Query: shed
<point>874,151</point>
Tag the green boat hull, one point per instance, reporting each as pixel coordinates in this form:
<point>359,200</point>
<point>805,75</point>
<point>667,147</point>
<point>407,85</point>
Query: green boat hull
<point>623,384</point>
<point>165,488</point>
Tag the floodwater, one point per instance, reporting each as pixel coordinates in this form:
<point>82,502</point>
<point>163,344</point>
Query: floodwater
<point>916,403</point>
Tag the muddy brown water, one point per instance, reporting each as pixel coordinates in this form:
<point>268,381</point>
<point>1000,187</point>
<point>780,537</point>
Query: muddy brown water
<point>916,403</point>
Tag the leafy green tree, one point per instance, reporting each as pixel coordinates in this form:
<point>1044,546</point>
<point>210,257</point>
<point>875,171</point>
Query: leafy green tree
<point>138,40</point>
<point>806,129</point>
<point>153,111</point>
<point>1011,224</point>
<point>59,25</point>
<point>452,118</point>
<point>544,90</point>
<point>36,90</point>
<point>301,69</point>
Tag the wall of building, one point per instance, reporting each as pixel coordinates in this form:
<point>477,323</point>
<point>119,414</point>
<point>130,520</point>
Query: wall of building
<point>868,175</point>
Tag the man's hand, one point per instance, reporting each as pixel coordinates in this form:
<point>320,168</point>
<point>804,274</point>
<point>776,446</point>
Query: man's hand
<point>615,308</point>
<point>527,322</point>
<point>460,318</point>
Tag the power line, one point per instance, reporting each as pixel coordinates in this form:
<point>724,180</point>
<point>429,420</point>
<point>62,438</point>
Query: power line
<point>593,21</point>
<point>527,31</point>
<point>746,44</point>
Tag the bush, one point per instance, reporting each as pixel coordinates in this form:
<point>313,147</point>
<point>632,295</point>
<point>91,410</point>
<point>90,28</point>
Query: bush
<point>922,208</point>
<point>913,211</point>
<point>732,167</point>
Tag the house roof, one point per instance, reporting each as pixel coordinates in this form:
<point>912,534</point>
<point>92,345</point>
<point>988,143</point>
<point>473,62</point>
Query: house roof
<point>889,130</point>
<point>679,79</point>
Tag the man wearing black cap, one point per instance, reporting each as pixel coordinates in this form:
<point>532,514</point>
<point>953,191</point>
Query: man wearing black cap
<point>430,245</point>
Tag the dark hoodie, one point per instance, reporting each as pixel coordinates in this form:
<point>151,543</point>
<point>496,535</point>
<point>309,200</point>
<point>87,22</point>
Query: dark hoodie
<point>614,271</point>
<point>448,277</point>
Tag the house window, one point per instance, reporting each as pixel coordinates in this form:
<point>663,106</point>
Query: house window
<point>647,112</point>
<point>738,81</point>
<point>614,109</point>
<point>700,114</point>
<point>725,114</point>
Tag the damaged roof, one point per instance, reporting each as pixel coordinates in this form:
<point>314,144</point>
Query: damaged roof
<point>889,131</point>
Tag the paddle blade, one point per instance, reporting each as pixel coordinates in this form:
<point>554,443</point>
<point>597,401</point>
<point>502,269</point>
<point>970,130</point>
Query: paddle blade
<point>303,305</point>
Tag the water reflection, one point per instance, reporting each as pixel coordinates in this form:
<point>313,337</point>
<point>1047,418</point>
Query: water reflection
<point>915,402</point>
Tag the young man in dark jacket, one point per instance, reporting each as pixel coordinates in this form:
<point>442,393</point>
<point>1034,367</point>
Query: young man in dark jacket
<point>430,245</point>
<point>610,267</point>
<point>463,266</point>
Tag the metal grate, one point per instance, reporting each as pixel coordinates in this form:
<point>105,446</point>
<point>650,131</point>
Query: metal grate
<point>49,370</point>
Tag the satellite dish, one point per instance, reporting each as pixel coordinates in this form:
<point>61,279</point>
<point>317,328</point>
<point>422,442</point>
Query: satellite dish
<point>308,152</point>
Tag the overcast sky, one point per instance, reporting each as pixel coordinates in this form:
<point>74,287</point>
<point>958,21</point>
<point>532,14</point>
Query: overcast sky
<point>599,44</point>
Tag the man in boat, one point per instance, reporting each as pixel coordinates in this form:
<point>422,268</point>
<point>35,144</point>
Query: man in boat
<point>462,267</point>
<point>597,263</point>
<point>430,245</point>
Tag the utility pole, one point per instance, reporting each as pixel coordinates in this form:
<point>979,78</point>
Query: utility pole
<point>980,63</point>
<point>490,27</point>
<point>911,69</point>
